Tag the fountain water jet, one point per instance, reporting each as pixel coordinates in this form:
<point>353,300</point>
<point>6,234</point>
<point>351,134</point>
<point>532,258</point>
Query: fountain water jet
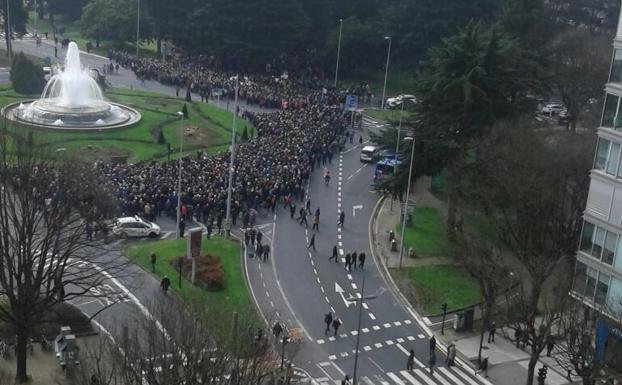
<point>72,100</point>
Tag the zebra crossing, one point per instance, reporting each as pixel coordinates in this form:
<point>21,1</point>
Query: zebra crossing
<point>442,376</point>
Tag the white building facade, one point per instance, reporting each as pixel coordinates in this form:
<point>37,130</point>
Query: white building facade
<point>598,273</point>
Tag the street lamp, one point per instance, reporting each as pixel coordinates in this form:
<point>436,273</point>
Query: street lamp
<point>359,302</point>
<point>137,25</point>
<point>386,72</point>
<point>8,36</point>
<point>181,146</point>
<point>410,173</point>
<point>338,51</point>
<point>228,221</point>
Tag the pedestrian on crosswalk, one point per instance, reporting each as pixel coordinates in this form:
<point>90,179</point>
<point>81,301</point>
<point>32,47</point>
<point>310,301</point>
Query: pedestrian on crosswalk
<point>451,355</point>
<point>328,320</point>
<point>410,363</point>
<point>432,361</point>
<point>348,263</point>
<point>253,233</point>
<point>258,236</point>
<point>336,324</point>
<point>361,260</point>
<point>335,255</point>
<point>432,344</point>
<point>353,261</point>
<point>247,236</point>
<point>316,223</point>
<point>312,243</point>
<point>266,252</point>
<point>342,218</point>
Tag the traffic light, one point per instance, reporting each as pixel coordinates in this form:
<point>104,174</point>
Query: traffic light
<point>542,374</point>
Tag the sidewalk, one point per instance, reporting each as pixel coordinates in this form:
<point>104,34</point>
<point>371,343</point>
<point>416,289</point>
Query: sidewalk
<point>507,363</point>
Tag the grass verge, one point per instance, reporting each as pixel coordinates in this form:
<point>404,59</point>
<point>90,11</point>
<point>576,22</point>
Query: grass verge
<point>431,286</point>
<point>235,295</point>
<point>426,235</point>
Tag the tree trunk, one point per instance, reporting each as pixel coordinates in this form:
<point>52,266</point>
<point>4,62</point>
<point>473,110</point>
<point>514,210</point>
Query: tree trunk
<point>531,369</point>
<point>21,375</point>
<point>452,201</point>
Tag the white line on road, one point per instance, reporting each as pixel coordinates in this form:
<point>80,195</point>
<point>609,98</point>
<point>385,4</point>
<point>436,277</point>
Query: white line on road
<point>372,316</point>
<point>410,378</point>
<point>407,353</point>
<point>356,172</point>
<point>395,379</point>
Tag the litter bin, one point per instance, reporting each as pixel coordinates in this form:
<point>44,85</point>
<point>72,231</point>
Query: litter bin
<point>468,319</point>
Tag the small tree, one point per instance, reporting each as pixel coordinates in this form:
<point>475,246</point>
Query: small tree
<point>26,76</point>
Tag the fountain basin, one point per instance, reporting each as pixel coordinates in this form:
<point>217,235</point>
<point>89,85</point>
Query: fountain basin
<point>44,113</point>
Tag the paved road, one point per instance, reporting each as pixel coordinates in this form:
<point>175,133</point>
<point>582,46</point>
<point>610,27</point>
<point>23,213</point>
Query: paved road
<point>298,287</point>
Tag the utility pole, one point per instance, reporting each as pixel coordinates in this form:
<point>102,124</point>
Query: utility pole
<point>386,72</point>
<point>338,52</point>
<point>228,220</point>
<point>8,35</point>
<point>137,25</point>
<point>181,147</point>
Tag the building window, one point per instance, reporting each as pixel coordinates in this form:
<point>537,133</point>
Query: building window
<point>586,237</point>
<point>599,241</point>
<point>602,150</point>
<point>618,259</point>
<point>611,111</point>
<point>613,158</point>
<point>601,289</point>
<point>610,247</point>
<point>580,276</point>
<point>616,68</point>
<point>590,283</point>
<point>614,297</point>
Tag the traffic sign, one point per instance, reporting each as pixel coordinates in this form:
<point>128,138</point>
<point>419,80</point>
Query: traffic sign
<point>352,102</point>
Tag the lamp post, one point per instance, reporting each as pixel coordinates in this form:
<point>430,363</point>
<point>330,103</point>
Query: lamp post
<point>181,146</point>
<point>386,72</point>
<point>137,25</point>
<point>410,173</point>
<point>36,14</point>
<point>359,302</point>
<point>228,221</point>
<point>8,28</point>
<point>338,51</point>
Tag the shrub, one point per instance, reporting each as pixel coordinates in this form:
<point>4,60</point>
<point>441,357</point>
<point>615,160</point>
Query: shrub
<point>161,139</point>
<point>26,76</point>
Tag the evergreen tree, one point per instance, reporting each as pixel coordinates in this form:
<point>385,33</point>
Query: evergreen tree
<point>26,76</point>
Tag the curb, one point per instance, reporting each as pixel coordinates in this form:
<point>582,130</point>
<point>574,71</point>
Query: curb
<point>386,276</point>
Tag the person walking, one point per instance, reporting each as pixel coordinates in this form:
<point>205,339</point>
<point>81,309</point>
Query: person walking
<point>353,260</point>
<point>336,324</point>
<point>362,260</point>
<point>253,234</point>
<point>312,243</point>
<point>309,205</point>
<point>451,355</point>
<point>247,237</point>
<point>491,332</point>
<point>277,329</point>
<point>335,255</point>
<point>432,361</point>
<point>266,252</point>
<point>432,344</point>
<point>316,223</point>
<point>483,367</point>
<point>348,259</point>
<point>292,211</point>
<point>165,284</point>
<point>182,227</point>
<point>328,320</point>
<point>342,218</point>
<point>152,260</point>
<point>258,236</point>
<point>550,344</point>
<point>410,362</point>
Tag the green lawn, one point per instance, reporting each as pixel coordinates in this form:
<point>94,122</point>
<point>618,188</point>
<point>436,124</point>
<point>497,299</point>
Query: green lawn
<point>426,235</point>
<point>235,296</point>
<point>398,82</point>
<point>391,116</point>
<point>435,285</point>
<point>211,128</point>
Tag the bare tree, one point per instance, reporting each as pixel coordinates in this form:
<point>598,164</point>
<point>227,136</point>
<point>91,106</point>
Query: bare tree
<point>49,208</point>
<point>533,189</point>
<point>191,347</point>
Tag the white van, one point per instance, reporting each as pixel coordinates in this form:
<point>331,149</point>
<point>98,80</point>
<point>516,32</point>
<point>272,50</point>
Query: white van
<point>369,154</point>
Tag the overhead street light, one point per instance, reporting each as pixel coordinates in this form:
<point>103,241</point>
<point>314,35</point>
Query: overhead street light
<point>228,220</point>
<point>359,302</point>
<point>386,72</point>
<point>410,173</point>
<point>181,146</point>
<point>338,52</point>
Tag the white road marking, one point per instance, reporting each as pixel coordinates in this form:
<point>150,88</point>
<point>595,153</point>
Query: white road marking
<point>465,376</point>
<point>271,303</point>
<point>365,306</point>
<point>322,288</point>
<point>344,354</point>
<point>399,340</point>
<point>333,357</point>
<point>395,379</point>
<point>354,332</point>
<point>341,252</point>
<point>376,327</point>
<point>320,342</point>
<point>338,369</point>
<point>421,335</point>
<point>389,342</point>
<point>410,338</point>
<point>407,322</point>
<point>397,323</point>
<point>387,325</point>
<point>378,345</point>
<point>410,378</point>
<point>367,348</point>
<point>448,374</point>
<point>407,353</point>
<point>372,316</point>
<point>424,376</point>
<point>365,330</point>
<point>354,286</point>
<point>331,339</point>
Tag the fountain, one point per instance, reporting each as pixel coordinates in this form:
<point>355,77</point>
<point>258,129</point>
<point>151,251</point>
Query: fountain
<point>72,100</point>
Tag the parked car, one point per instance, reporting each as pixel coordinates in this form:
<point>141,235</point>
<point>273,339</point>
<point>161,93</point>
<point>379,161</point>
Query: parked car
<point>131,227</point>
<point>397,101</point>
<point>553,108</point>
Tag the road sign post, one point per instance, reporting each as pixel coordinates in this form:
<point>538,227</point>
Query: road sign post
<point>193,249</point>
